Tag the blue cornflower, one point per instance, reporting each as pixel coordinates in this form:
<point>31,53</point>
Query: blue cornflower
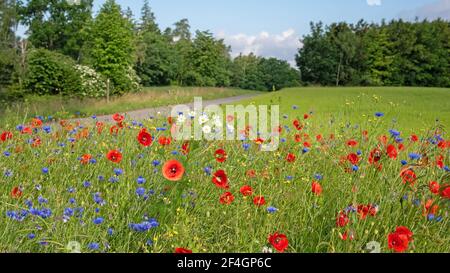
<point>144,226</point>
<point>8,173</point>
<point>101,178</point>
<point>246,146</point>
<point>404,162</point>
<point>47,129</point>
<point>207,170</point>
<point>98,220</point>
<point>355,168</point>
<point>114,179</point>
<point>42,200</point>
<point>149,242</point>
<point>156,163</point>
<point>6,153</point>
<point>72,200</point>
<point>140,180</point>
<point>394,133</point>
<point>272,209</point>
<point>289,178</point>
<point>430,217</point>
<point>305,150</point>
<point>318,176</point>
<point>359,152</point>
<point>31,236</point>
<point>45,170</point>
<point>110,231</point>
<point>93,246</point>
<point>68,212</point>
<point>118,172</point>
<point>98,199</point>
<point>379,114</point>
<point>140,191</point>
<point>414,156</point>
<point>86,184</point>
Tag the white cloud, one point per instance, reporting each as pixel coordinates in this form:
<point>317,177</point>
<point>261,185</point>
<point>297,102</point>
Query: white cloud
<point>282,46</point>
<point>437,9</point>
<point>374,2</point>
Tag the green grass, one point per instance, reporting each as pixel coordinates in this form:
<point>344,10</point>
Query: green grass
<point>408,108</point>
<point>64,108</point>
<point>189,212</point>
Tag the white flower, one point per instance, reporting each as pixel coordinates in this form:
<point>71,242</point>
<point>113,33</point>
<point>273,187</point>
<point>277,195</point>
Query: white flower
<point>192,114</point>
<point>203,119</point>
<point>206,129</point>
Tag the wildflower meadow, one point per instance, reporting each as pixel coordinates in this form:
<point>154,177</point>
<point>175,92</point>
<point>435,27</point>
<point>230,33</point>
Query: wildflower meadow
<point>360,182</point>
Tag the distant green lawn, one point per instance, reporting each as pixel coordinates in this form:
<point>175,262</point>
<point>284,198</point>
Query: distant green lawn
<point>64,108</point>
<point>408,108</point>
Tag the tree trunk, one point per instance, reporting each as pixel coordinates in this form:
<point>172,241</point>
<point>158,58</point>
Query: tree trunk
<point>339,70</point>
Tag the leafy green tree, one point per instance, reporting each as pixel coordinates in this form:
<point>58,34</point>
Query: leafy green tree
<point>246,73</point>
<point>317,59</point>
<point>113,47</point>
<point>278,74</point>
<point>8,42</point>
<point>57,24</point>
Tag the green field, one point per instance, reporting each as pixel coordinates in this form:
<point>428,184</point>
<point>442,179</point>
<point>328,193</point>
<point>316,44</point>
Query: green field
<point>409,108</point>
<point>49,198</point>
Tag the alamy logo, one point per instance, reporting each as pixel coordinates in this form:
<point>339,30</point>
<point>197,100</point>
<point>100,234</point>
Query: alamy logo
<point>256,123</point>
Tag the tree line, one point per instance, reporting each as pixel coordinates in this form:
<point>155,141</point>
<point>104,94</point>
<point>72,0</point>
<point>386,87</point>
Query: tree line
<point>70,51</point>
<point>397,53</point>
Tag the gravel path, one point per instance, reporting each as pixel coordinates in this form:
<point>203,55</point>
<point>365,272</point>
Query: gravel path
<point>165,110</point>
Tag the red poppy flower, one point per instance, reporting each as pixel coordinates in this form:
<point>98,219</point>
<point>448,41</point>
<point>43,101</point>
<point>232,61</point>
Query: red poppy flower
<point>100,126</point>
<point>227,198</point>
<point>307,144</point>
<point>297,125</point>
<point>392,151</point>
<point>251,173</point>
<point>347,235</point>
<point>316,188</point>
<point>363,211</point>
<point>259,201</point>
<point>173,170</point>
<point>434,187</point>
<point>352,143</point>
<point>446,193</point>
<point>305,116</point>
<point>259,141</point>
<point>164,141</point>
<point>16,193</point>
<point>290,158</point>
<point>279,241</point>
<point>401,147</point>
<point>398,242</point>
<point>374,156</point>
<point>220,155</point>
<point>383,139</point>
<point>442,144</point>
<point>319,138</point>
<point>408,176</point>
<point>353,158</point>
<point>144,138</point>
<point>85,159</point>
<point>405,231</point>
<point>440,161</point>
<point>5,136</point>
<point>36,123</point>
<point>114,156</point>
<point>118,118</point>
<point>180,250</point>
<point>400,239</point>
<point>26,130</point>
<point>220,179</point>
<point>185,148</point>
<point>114,130</point>
<point>429,208</point>
<point>414,138</point>
<point>342,219</point>
<point>298,138</point>
<point>246,191</point>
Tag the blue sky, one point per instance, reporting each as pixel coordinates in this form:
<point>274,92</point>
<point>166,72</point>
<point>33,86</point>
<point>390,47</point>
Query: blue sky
<point>272,28</point>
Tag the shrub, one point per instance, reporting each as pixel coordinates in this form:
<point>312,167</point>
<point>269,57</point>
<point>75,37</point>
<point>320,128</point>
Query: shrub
<point>51,73</point>
<point>93,85</point>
